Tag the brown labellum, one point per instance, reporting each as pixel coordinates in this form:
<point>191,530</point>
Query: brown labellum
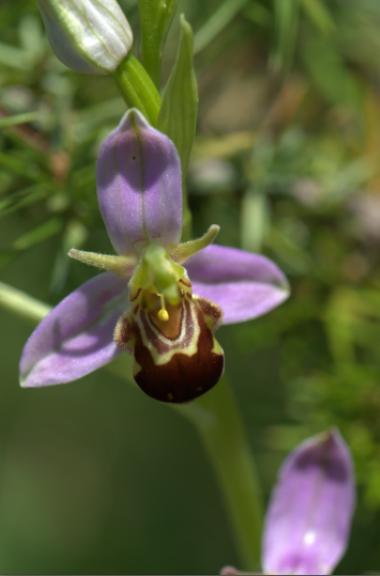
<point>177,360</point>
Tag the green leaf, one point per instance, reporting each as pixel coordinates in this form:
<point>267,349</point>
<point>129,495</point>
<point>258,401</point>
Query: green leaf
<point>286,13</point>
<point>319,15</point>
<point>155,19</point>
<point>16,119</point>
<point>39,234</point>
<point>23,198</point>
<point>178,114</point>
<point>17,165</point>
<point>330,73</point>
<point>221,18</point>
<point>258,14</point>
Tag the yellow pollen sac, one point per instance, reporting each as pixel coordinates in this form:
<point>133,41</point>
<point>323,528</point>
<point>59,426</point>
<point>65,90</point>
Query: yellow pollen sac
<point>162,314</point>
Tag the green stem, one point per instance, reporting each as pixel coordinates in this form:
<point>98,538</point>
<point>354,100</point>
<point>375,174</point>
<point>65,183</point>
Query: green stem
<point>217,419</point>
<point>138,89</point>
<point>21,304</point>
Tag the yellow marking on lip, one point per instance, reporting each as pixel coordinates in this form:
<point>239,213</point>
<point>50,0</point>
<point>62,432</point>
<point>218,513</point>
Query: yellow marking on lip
<point>160,358</point>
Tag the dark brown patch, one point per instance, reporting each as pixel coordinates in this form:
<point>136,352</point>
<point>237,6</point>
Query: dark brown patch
<point>184,377</point>
<point>123,333</point>
<point>211,311</point>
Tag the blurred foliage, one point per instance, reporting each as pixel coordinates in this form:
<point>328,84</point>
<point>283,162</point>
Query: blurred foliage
<point>287,162</point>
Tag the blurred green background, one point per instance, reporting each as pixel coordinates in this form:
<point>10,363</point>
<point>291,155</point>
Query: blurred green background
<point>95,477</point>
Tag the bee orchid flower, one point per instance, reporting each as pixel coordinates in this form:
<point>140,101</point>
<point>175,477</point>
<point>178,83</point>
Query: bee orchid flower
<point>157,298</point>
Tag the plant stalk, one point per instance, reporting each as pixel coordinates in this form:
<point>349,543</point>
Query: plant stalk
<point>218,422</point>
<point>22,304</point>
<point>138,89</point>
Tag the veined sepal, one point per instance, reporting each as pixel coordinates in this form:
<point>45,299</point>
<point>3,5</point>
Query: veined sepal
<point>89,36</point>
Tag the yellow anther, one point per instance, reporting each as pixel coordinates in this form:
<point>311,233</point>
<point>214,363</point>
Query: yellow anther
<point>163,315</point>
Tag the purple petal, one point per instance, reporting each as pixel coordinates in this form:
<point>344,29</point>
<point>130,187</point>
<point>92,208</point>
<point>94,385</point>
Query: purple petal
<point>244,285</point>
<point>139,185</point>
<point>76,337</point>
<point>309,517</point>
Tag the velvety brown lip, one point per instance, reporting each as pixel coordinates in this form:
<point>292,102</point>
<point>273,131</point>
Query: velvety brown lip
<point>183,377</point>
<point>192,368</point>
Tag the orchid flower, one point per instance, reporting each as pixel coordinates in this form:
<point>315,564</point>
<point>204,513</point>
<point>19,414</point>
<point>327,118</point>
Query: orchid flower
<point>157,298</point>
<point>308,522</point>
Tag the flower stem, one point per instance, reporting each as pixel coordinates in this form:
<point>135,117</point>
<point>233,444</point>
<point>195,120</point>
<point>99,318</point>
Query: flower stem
<point>138,89</point>
<point>22,304</point>
<point>217,419</point>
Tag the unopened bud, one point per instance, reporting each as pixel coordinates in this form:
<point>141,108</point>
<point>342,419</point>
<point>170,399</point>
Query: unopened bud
<point>90,36</point>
